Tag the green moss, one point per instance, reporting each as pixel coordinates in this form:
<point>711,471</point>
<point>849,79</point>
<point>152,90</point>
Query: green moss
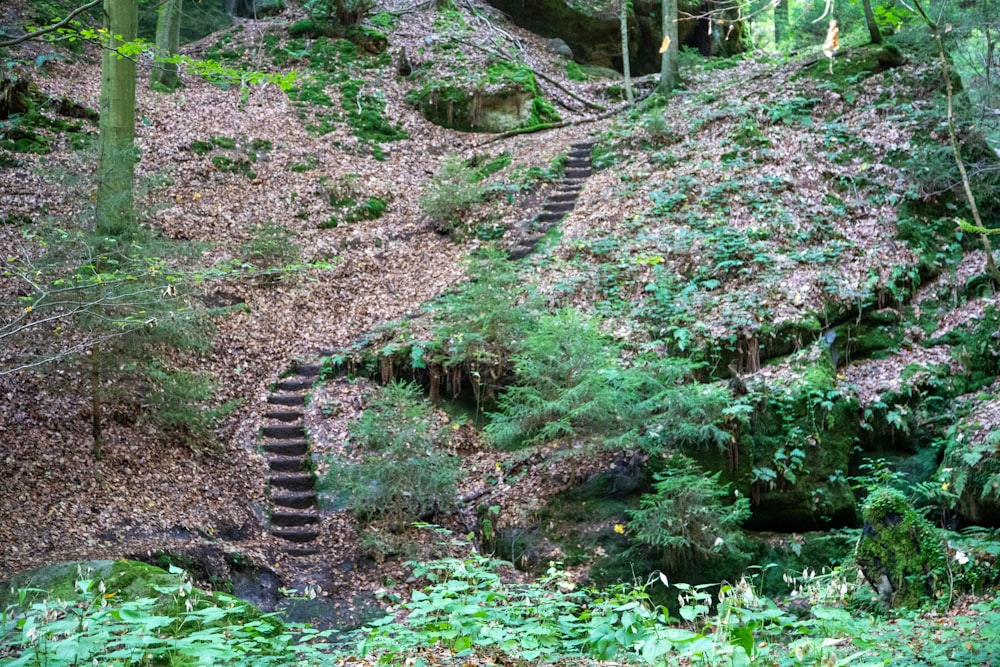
<point>486,169</point>
<point>365,114</point>
<point>234,166</point>
<point>260,145</point>
<point>900,553</point>
<point>575,73</point>
<point>199,147</point>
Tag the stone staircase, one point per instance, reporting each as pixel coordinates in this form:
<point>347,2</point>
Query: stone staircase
<point>291,480</point>
<point>560,202</point>
<point>295,518</point>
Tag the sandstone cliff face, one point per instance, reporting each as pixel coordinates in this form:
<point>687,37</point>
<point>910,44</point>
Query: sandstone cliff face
<point>591,29</point>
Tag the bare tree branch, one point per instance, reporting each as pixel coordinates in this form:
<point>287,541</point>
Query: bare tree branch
<point>51,28</point>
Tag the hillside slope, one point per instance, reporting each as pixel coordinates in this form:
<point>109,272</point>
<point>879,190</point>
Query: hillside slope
<point>753,223</point>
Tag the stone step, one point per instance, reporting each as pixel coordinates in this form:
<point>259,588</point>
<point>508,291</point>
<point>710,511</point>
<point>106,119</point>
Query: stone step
<point>287,519</point>
<point>301,551</point>
<point>578,172</point>
<point>519,252</point>
<point>297,501</point>
<point>293,384</point>
<point>287,448</point>
<point>298,535</point>
<point>283,415</point>
<point>561,207</point>
<point>289,400</point>
<point>287,464</point>
<point>293,482</point>
<point>308,370</point>
<point>582,146</point>
<point>284,432</point>
<point>562,197</point>
<point>549,218</point>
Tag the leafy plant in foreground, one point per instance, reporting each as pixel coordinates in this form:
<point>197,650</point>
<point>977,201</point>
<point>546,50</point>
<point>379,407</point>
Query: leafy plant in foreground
<point>178,625</point>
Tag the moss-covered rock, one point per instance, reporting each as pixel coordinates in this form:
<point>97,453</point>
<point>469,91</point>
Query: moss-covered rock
<point>899,553</point>
<point>794,457</point>
<point>504,97</point>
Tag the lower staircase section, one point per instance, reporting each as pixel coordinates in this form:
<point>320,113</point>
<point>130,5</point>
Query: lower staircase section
<point>291,480</point>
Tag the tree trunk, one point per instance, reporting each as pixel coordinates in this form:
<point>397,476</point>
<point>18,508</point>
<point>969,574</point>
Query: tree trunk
<point>116,140</point>
<point>168,41</point>
<point>626,64</point>
<point>95,402</point>
<point>780,22</point>
<point>668,67</point>
<point>873,31</point>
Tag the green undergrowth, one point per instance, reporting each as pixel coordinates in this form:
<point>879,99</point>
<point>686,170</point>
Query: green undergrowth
<point>467,605</point>
<point>37,124</point>
<point>397,467</point>
<point>232,155</point>
<point>134,613</point>
<point>336,64</point>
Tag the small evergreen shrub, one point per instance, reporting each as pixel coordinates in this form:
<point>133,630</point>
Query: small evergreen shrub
<point>569,381</point>
<point>400,472</point>
<point>451,194</point>
<point>689,515</point>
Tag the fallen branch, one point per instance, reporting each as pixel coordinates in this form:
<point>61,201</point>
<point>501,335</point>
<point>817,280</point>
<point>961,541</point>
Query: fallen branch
<point>551,126</point>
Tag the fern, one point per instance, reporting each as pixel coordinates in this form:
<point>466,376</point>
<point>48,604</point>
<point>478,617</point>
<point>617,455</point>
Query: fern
<point>572,382</point>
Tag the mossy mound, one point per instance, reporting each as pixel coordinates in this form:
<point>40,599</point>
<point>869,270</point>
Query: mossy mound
<point>899,553</point>
<point>117,581</point>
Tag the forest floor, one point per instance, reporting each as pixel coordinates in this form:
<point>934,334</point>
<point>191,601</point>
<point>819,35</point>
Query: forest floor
<point>147,493</point>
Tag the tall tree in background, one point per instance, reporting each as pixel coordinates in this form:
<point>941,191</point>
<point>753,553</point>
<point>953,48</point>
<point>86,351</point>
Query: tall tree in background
<point>623,8</point>
<point>873,31</point>
<point>781,21</point>
<point>668,62</point>
<point>168,40</point>
<point>116,140</point>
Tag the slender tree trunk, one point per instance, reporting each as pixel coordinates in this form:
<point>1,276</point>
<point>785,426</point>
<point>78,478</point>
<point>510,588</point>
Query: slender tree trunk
<point>168,41</point>
<point>780,22</point>
<point>668,63</point>
<point>95,402</point>
<point>116,140</point>
<point>626,64</point>
<point>873,31</point>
